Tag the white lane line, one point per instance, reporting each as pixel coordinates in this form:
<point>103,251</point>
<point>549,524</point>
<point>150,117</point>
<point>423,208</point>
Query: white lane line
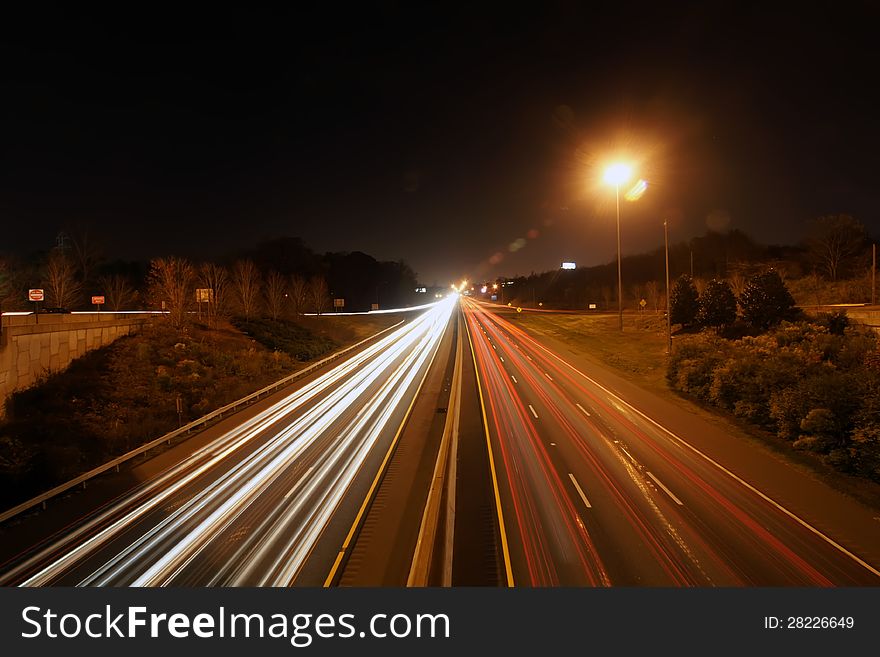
<point>297,484</point>
<point>666,490</point>
<point>586,412</point>
<point>502,358</point>
<point>493,346</point>
<point>629,455</point>
<point>580,491</point>
<point>533,411</point>
<point>803,523</point>
<point>513,377</point>
<point>553,444</point>
<point>548,376</point>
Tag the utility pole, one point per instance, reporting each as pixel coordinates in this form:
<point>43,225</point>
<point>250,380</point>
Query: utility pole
<point>668,304</point>
<point>692,262</point>
<point>619,277</point>
<point>873,274</point>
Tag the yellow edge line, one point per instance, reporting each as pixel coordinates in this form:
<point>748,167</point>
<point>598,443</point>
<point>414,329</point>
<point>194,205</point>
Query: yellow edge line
<point>504,549</point>
<point>332,575</point>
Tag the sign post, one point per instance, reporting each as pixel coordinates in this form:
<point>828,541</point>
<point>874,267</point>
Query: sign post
<point>204,295</point>
<point>97,302</point>
<point>36,295</point>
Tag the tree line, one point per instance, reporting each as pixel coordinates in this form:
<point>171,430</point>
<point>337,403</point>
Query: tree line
<point>832,263</point>
<point>281,277</point>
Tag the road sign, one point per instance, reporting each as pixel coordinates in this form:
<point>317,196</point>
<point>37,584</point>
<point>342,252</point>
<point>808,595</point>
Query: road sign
<point>35,295</point>
<point>98,301</point>
<point>643,303</point>
<point>374,306</point>
<point>519,310</point>
<point>339,303</point>
<point>204,295</point>
<point>592,306</point>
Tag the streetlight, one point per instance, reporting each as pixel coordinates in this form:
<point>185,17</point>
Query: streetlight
<point>616,175</point>
<point>668,304</point>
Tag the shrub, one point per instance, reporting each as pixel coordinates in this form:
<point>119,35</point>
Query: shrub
<point>766,301</point>
<point>818,389</point>
<point>717,305</point>
<point>286,336</point>
<point>684,302</point>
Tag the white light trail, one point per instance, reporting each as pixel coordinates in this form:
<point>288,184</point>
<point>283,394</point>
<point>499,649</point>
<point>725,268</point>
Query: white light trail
<point>325,430</point>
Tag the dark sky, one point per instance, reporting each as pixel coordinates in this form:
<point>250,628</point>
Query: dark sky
<point>440,136</point>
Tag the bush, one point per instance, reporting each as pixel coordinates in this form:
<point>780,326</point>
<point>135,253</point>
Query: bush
<point>817,389</point>
<point>684,302</point>
<point>717,305</point>
<point>692,364</point>
<point>285,336</point>
<point>766,301</point>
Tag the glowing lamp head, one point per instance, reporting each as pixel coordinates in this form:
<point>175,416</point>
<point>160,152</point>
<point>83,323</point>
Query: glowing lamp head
<point>617,174</point>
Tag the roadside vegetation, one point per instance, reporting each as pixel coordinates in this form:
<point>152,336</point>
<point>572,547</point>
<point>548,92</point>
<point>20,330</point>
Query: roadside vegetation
<point>812,381</point>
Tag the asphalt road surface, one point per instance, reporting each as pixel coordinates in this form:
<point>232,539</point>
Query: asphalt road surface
<point>594,492</point>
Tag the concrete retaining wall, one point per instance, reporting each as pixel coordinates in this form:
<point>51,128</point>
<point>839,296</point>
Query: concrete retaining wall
<point>33,345</point>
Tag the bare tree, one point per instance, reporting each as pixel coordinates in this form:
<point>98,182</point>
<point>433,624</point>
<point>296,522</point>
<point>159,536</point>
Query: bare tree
<point>299,294</point>
<point>276,292</point>
<point>834,242</point>
<point>652,290</point>
<point>118,291</point>
<point>637,294</point>
<point>62,285</point>
<point>319,293</point>
<point>246,284</point>
<point>6,284</point>
<point>215,278</point>
<point>85,251</point>
<point>606,297</point>
<point>172,281</point>
<point>737,283</point>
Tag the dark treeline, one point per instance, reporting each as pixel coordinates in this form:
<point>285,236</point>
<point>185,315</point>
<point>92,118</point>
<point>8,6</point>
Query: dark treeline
<point>835,258</point>
<point>287,277</point>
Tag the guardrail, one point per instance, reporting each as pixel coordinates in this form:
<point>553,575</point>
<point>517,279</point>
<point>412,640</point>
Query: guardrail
<point>184,430</point>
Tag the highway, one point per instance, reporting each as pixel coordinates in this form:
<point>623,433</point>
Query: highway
<point>591,491</point>
<point>268,503</point>
<point>556,478</point>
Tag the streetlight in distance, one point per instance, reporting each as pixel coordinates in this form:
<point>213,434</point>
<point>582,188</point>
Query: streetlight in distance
<point>616,175</point>
<point>668,303</point>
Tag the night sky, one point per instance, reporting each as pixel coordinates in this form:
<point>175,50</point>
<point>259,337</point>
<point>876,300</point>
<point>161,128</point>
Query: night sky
<point>465,141</point>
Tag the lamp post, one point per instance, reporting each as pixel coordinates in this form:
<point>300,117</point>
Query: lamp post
<point>616,175</point>
<point>668,303</point>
